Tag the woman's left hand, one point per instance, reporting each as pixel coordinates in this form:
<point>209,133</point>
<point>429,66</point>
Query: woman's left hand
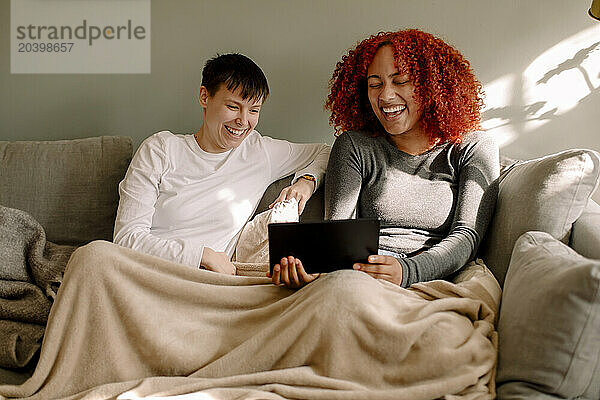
<point>301,190</point>
<point>382,267</point>
<point>290,272</point>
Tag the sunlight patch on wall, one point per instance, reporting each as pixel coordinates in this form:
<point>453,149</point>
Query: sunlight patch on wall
<point>497,99</point>
<point>562,76</point>
<point>552,85</point>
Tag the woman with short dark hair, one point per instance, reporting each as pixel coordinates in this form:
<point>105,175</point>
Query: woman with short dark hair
<point>186,198</point>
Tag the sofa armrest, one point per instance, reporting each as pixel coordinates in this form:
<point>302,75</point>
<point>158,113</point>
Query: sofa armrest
<point>585,235</point>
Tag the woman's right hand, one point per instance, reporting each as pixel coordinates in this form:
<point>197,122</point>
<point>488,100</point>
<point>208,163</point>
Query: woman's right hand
<point>217,261</point>
<point>290,272</point>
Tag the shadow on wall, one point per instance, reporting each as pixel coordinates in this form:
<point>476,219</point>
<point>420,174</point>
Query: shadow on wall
<point>574,62</point>
<point>509,114</point>
<point>559,80</point>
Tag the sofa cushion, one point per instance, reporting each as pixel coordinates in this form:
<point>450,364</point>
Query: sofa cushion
<point>69,186</point>
<point>549,326</point>
<point>586,232</point>
<point>546,194</point>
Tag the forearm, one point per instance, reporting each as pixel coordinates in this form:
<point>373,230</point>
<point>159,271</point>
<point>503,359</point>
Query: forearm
<point>177,250</point>
<point>477,192</point>
<point>441,260</point>
<point>317,167</point>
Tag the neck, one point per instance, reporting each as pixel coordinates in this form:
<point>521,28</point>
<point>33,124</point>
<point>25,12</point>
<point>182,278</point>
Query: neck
<point>204,142</point>
<point>413,143</point>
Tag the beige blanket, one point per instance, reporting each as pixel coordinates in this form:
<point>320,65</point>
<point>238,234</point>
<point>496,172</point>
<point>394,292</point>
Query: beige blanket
<point>127,325</point>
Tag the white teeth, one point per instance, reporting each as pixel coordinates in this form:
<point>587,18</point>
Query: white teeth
<point>236,132</point>
<point>393,109</point>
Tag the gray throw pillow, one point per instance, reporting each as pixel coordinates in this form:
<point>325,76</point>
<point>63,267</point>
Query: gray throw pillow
<point>69,186</point>
<point>546,194</point>
<point>549,326</point>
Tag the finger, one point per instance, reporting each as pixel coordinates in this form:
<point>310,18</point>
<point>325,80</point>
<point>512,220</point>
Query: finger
<point>277,274</point>
<point>379,259</point>
<point>285,275</point>
<point>372,268</point>
<point>291,263</point>
<point>278,199</point>
<point>290,195</point>
<point>303,275</point>
<point>301,205</point>
<point>282,196</point>
<point>294,274</point>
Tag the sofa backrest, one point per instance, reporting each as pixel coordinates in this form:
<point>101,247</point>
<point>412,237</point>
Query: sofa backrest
<point>69,186</point>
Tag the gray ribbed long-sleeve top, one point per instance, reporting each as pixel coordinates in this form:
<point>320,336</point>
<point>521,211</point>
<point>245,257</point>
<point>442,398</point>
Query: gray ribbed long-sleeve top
<point>433,207</point>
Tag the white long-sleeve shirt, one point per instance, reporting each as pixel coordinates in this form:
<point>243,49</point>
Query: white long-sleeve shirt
<point>176,198</point>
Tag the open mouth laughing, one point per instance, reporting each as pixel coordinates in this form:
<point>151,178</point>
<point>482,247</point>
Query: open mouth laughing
<point>391,112</point>
<point>236,132</point>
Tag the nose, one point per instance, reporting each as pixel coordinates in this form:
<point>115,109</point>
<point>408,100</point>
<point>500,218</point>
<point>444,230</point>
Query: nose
<point>387,92</point>
<point>242,119</point>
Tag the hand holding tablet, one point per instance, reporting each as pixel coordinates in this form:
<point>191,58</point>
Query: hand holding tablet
<point>323,246</point>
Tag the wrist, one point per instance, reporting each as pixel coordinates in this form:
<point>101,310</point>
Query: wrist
<point>309,178</point>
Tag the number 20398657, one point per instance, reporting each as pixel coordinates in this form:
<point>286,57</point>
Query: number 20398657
<point>45,47</point>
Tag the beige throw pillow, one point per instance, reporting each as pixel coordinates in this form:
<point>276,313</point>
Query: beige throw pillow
<point>546,194</point>
<point>549,326</point>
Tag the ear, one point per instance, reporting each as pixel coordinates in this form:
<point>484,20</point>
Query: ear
<point>203,96</point>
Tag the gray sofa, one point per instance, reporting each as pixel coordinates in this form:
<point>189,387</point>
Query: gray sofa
<point>70,187</point>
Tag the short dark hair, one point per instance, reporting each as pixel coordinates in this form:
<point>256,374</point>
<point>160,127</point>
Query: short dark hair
<point>235,70</point>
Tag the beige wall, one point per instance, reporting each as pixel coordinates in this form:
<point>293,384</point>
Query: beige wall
<point>535,58</point>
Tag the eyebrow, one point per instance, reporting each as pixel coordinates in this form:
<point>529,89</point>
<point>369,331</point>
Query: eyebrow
<point>391,75</point>
<point>239,103</point>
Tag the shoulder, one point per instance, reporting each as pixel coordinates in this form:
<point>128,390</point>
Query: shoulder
<point>256,140</point>
<point>479,143</point>
<point>354,140</point>
<point>478,139</point>
<point>478,149</point>
<point>357,136</point>
<point>161,139</point>
<point>362,145</point>
<point>163,145</point>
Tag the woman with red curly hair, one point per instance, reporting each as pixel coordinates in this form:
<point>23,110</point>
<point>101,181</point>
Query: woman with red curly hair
<point>406,110</point>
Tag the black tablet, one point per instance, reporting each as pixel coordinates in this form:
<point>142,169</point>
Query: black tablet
<point>324,246</point>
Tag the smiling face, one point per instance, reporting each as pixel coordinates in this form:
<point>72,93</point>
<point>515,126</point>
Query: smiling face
<point>228,119</point>
<point>392,98</point>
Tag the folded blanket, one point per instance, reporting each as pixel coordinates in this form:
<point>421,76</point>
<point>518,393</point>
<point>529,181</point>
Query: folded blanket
<point>131,325</point>
<point>31,270</point>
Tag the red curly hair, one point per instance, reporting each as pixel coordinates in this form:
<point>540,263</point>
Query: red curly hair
<point>445,87</point>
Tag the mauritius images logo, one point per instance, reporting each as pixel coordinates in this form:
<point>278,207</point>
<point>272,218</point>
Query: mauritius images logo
<point>93,36</point>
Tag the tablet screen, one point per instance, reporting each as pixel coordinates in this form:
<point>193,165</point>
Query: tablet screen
<point>324,246</point>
